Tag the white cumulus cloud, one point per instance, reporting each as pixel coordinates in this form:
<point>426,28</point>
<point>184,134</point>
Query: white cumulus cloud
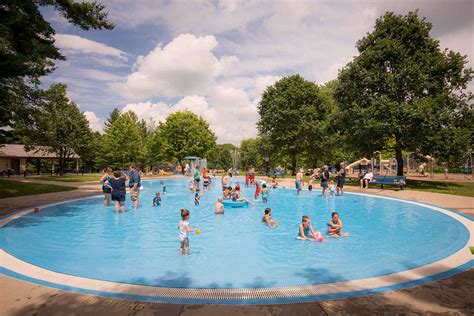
<point>95,123</point>
<point>228,111</point>
<point>183,67</point>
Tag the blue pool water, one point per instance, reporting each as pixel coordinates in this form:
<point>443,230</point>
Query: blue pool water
<point>234,250</point>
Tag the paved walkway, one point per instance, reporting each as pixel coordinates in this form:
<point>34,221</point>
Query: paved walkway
<point>454,295</point>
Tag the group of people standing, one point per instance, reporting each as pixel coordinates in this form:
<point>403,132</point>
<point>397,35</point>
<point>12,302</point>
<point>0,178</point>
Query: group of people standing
<point>328,186</point>
<point>114,187</point>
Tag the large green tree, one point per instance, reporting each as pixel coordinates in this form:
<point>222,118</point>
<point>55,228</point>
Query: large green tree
<point>182,134</point>
<point>27,49</point>
<point>222,156</point>
<point>58,125</point>
<point>403,93</point>
<point>122,142</point>
<point>293,116</point>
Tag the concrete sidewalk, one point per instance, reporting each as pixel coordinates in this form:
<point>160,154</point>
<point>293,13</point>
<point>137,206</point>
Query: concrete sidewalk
<point>454,295</point>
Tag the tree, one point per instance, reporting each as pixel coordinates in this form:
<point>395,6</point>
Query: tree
<point>250,154</point>
<point>113,116</point>
<point>292,115</point>
<point>183,134</point>
<point>58,125</point>
<point>403,93</point>
<point>91,152</point>
<point>222,156</point>
<point>122,143</point>
<point>27,49</point>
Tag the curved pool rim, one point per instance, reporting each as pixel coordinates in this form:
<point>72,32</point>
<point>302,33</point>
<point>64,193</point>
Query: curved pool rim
<point>455,263</point>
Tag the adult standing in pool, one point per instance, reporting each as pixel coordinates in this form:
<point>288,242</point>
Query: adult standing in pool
<point>106,188</point>
<point>118,190</point>
<point>324,180</point>
<point>299,181</point>
<point>341,178</point>
<point>134,184</point>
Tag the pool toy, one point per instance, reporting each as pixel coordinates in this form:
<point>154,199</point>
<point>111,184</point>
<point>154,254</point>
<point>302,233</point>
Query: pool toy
<point>198,231</point>
<point>235,204</point>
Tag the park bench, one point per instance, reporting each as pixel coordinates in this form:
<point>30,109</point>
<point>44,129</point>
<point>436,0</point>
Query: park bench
<point>399,181</point>
<point>276,172</point>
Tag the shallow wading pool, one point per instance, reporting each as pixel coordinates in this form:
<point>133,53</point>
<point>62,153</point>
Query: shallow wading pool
<point>82,246</point>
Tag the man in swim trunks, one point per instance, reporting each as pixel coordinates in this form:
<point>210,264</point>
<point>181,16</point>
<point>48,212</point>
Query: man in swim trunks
<point>299,181</point>
<point>341,178</point>
<point>219,207</point>
<point>134,183</point>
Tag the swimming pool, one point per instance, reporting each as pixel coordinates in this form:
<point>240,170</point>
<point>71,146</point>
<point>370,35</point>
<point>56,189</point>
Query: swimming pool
<point>137,251</point>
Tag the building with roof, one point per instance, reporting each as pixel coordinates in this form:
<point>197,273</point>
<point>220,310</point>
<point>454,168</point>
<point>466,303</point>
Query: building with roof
<point>13,158</point>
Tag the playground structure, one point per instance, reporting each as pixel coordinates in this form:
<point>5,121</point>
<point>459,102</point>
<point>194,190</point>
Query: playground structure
<point>423,166</point>
<point>379,166</point>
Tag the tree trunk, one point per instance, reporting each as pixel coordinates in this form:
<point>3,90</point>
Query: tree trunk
<point>293,164</point>
<point>399,157</point>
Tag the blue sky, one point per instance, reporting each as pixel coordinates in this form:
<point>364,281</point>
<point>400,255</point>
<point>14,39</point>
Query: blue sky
<point>216,57</point>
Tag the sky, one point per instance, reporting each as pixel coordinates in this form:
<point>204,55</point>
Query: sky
<point>215,57</point>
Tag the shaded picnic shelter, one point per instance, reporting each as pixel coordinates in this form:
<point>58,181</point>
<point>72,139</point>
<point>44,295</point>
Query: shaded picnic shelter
<point>13,158</point>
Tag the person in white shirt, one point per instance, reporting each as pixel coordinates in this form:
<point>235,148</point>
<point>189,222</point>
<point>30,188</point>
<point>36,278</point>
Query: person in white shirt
<point>184,229</point>
<point>364,182</point>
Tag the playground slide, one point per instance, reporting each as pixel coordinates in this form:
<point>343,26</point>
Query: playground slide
<point>364,161</point>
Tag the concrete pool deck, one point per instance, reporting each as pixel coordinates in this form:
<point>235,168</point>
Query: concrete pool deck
<point>451,295</point>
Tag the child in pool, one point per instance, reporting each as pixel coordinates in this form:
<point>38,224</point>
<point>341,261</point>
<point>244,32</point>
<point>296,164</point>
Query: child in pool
<point>197,196</point>
<point>332,188</point>
<point>267,218</point>
<point>264,193</point>
<point>184,229</point>
<point>163,187</point>
<point>335,226</point>
<point>205,183</point>
<point>227,193</point>
<point>157,199</point>
<point>306,230</point>
<point>192,185</point>
<point>274,183</point>
<point>257,190</point>
<point>310,183</point>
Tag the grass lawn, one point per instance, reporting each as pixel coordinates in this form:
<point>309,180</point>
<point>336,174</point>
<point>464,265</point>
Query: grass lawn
<point>72,178</point>
<point>455,188</point>
<point>14,188</point>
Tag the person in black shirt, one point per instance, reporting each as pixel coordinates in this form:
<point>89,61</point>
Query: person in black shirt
<point>118,191</point>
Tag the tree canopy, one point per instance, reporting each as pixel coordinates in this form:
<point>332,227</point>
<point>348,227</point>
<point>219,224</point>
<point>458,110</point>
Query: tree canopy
<point>222,156</point>
<point>403,93</point>
<point>183,134</point>
<point>292,115</point>
<point>57,125</point>
<point>122,142</point>
<point>27,49</point>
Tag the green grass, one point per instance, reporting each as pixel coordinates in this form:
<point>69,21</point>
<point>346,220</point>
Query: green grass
<point>14,188</point>
<point>71,178</point>
<point>454,188</point>
<point>472,250</point>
